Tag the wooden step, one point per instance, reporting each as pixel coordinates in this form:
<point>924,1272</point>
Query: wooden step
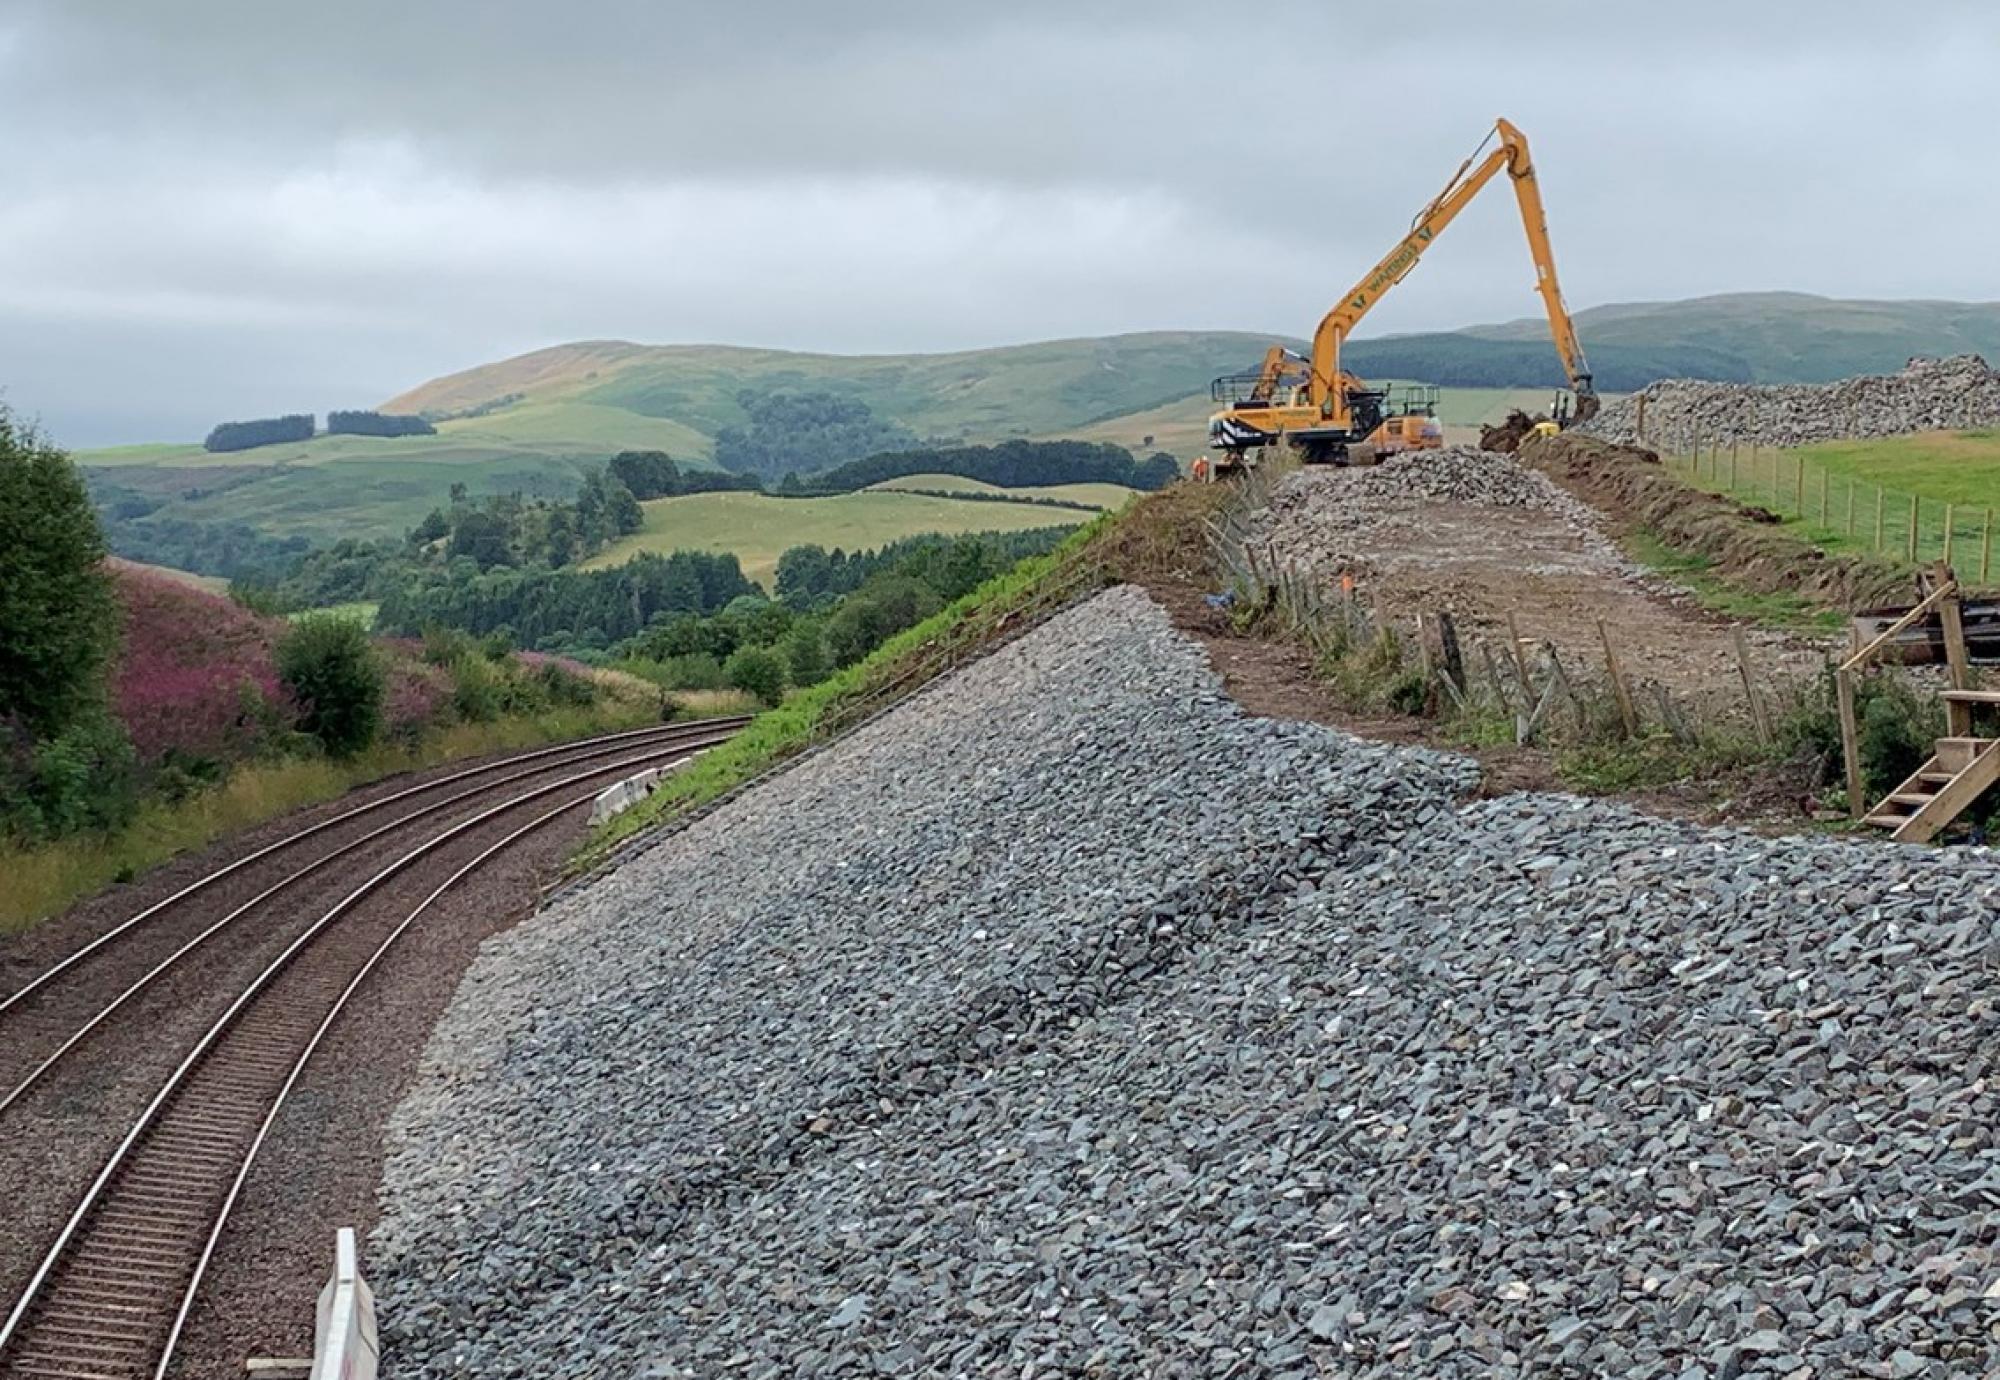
<point>1954,755</point>
<point>1969,767</point>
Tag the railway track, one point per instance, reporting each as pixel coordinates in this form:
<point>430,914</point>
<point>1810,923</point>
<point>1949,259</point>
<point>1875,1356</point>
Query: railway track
<point>39,1029</point>
<point>112,1293</point>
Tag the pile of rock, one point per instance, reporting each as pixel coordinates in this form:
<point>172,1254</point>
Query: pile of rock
<point>1067,1022</point>
<point>1316,513</point>
<point>1928,395</point>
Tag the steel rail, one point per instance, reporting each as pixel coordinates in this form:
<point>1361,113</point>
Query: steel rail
<point>298,1068</point>
<point>290,839</point>
<point>678,732</point>
<point>95,1196</point>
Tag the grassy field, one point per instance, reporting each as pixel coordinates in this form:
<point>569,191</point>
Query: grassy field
<point>213,584</point>
<point>379,486</point>
<point>1110,496</point>
<point>1892,495</point>
<point>758,528</point>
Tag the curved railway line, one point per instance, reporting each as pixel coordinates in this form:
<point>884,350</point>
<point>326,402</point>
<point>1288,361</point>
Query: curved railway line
<point>113,1291</point>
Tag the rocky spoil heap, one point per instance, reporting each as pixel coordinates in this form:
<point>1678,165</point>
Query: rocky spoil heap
<point>1316,515</point>
<point>1952,394</point>
<point>1068,1022</point>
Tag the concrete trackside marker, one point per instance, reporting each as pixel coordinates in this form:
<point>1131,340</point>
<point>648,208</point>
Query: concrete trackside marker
<point>344,1342</point>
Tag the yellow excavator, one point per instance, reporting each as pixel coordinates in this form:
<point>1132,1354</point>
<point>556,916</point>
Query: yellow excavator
<point>1319,409</point>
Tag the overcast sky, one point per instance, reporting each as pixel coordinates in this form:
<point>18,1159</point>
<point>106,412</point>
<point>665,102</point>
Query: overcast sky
<point>230,207</point>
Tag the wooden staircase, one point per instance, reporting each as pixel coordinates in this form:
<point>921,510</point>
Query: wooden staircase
<point>1966,763</point>
<point>1961,771</point>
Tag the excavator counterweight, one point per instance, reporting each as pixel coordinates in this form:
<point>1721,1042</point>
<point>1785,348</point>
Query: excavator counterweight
<point>1315,406</point>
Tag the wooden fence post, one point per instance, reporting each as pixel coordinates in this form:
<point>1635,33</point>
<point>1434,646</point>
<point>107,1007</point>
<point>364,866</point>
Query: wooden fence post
<point>1520,657</point>
<point>1850,507</point>
<point>1732,467</point>
<point>1878,519</point>
<point>1915,503</point>
<point>1757,719</point>
<point>1954,641</point>
<point>1986,547</point>
<point>1626,712</point>
<point>1946,557</point>
<point>1454,659</point>
<point>1825,488</point>
<point>1799,490</point>
<point>1850,742</point>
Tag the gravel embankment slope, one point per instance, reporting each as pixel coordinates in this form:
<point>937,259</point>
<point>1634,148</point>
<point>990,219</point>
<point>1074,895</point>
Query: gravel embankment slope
<point>1067,1022</point>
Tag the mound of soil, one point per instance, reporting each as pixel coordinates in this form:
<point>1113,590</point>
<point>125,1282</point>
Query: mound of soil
<point>1633,490</point>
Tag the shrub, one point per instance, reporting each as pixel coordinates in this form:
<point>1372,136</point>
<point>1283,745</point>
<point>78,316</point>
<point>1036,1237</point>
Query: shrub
<point>695,671</point>
<point>805,655</point>
<point>333,673</point>
<point>856,628</point>
<point>564,686</point>
<point>76,780</point>
<point>758,671</point>
<point>476,691</point>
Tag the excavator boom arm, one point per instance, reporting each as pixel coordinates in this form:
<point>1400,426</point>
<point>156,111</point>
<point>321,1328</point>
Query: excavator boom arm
<point>1465,184</point>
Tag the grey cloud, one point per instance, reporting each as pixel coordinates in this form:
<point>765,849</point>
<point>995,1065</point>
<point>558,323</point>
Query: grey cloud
<point>429,185</point>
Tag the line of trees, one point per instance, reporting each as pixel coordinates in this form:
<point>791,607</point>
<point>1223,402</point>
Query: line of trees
<point>654,474</point>
<point>1010,464</point>
<point>263,431</point>
<point>582,611</point>
<point>811,577</point>
<point>300,426</point>
<point>367,423</point>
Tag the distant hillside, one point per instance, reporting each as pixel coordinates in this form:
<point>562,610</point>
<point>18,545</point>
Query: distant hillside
<point>1765,337</point>
<point>983,395</point>
<point>535,422</point>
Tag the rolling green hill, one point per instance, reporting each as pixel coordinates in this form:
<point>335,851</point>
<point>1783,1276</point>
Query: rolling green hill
<point>979,395</point>
<point>1777,337</point>
<point>535,421</point>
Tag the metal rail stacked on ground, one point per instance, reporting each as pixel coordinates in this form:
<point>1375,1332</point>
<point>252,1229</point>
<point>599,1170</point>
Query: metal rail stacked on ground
<point>113,1292</point>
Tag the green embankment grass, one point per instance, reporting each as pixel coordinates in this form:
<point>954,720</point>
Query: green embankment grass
<point>789,728</point>
<point>1858,497</point>
<point>759,528</point>
<point>1695,573</point>
<point>47,878</point>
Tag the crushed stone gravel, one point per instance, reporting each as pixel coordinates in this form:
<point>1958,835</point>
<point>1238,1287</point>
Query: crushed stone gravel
<point>1070,1022</point>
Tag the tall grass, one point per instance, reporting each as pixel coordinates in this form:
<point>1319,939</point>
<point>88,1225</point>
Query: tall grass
<point>39,881</point>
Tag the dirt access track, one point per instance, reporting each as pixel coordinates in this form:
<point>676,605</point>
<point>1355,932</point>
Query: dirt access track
<point>1479,536</point>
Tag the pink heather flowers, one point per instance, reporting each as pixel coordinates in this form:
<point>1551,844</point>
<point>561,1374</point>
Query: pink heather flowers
<point>194,674</point>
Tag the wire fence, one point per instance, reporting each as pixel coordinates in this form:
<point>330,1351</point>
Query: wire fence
<point>1842,512</point>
